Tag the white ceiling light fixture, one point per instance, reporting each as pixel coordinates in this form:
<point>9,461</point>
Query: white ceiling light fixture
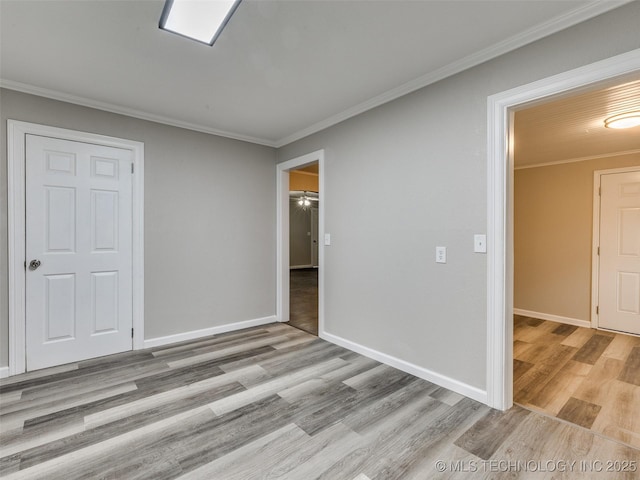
<point>624,120</point>
<point>199,20</point>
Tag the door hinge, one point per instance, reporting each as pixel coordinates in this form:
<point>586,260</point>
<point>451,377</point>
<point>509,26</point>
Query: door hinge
<point>25,264</point>
<point>599,191</point>
<point>598,250</point>
<point>598,310</point>
<point>132,168</point>
<point>132,333</point>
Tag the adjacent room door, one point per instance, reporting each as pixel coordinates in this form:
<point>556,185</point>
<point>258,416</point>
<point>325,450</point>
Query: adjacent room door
<point>79,251</point>
<point>619,269</point>
<point>314,237</point>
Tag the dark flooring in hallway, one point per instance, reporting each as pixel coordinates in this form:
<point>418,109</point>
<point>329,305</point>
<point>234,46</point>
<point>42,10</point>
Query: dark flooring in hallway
<point>304,299</point>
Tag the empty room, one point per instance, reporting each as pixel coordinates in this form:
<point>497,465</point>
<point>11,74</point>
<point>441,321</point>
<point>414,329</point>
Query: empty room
<point>288,239</point>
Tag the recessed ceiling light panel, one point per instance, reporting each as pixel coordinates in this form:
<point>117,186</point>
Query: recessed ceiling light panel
<point>200,20</point>
<point>625,120</point>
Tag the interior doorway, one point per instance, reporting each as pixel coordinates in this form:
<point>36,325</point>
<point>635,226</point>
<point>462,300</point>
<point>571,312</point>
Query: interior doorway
<point>78,246</point>
<point>501,108</point>
<point>616,264</point>
<point>288,288</point>
<point>304,203</point>
<point>103,290</point>
<point>565,365</point>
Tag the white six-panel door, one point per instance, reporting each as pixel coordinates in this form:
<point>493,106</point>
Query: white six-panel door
<point>79,251</point>
<point>619,279</point>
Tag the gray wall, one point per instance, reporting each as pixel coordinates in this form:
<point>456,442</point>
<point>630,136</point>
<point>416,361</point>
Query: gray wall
<point>209,247</point>
<point>410,175</point>
<point>210,261</point>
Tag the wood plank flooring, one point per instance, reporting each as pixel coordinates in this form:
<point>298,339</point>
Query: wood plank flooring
<point>274,402</point>
<point>303,302</point>
<point>584,376</point>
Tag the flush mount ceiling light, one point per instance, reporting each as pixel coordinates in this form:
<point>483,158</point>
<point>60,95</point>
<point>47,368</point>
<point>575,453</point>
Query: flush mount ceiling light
<point>200,20</point>
<point>624,120</point>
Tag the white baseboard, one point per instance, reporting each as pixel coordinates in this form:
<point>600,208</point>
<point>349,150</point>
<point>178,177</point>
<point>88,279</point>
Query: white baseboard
<point>433,377</point>
<point>4,372</point>
<point>554,318</point>
<point>205,332</point>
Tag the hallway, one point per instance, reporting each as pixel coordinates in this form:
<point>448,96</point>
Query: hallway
<point>304,299</point>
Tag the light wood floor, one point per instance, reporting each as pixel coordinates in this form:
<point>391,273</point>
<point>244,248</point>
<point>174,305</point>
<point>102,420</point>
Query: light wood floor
<point>274,402</point>
<point>585,376</point>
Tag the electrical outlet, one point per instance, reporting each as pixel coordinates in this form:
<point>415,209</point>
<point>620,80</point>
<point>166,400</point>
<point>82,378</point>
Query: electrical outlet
<point>441,254</point>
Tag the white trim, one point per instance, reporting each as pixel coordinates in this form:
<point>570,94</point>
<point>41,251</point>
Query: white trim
<point>4,372</point>
<point>282,245</point>
<point>16,247</point>
<point>129,112</point>
<point>580,159</point>
<point>137,232</point>
<point>500,209</point>
<point>553,318</point>
<point>442,380</point>
<point>206,332</point>
<point>16,132</point>
<point>595,258</point>
<point>550,27</point>
<point>537,32</point>
<point>302,172</point>
<point>282,234</point>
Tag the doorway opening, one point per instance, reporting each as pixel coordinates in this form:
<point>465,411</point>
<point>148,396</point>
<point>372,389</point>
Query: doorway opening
<point>304,203</point>
<point>565,365</point>
<point>300,242</point>
<point>17,146</point>
<point>500,145</point>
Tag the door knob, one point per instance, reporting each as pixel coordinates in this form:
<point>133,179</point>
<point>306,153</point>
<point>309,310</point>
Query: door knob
<point>34,264</point>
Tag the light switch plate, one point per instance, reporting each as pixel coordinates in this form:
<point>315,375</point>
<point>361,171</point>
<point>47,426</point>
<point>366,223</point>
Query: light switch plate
<point>327,239</point>
<point>480,243</point>
<point>441,254</point>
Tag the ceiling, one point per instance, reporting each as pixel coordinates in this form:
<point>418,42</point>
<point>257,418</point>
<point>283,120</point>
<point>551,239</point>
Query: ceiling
<point>279,71</point>
<point>572,127</point>
<point>313,168</point>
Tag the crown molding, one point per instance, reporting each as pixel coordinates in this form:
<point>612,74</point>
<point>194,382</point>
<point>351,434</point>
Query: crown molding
<point>302,172</point>
<point>545,29</point>
<point>129,112</point>
<point>579,159</point>
<point>552,26</point>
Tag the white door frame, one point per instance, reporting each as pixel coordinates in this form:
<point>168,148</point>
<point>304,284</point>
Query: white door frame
<point>595,258</point>
<point>282,240</point>
<point>16,141</point>
<point>501,108</point>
